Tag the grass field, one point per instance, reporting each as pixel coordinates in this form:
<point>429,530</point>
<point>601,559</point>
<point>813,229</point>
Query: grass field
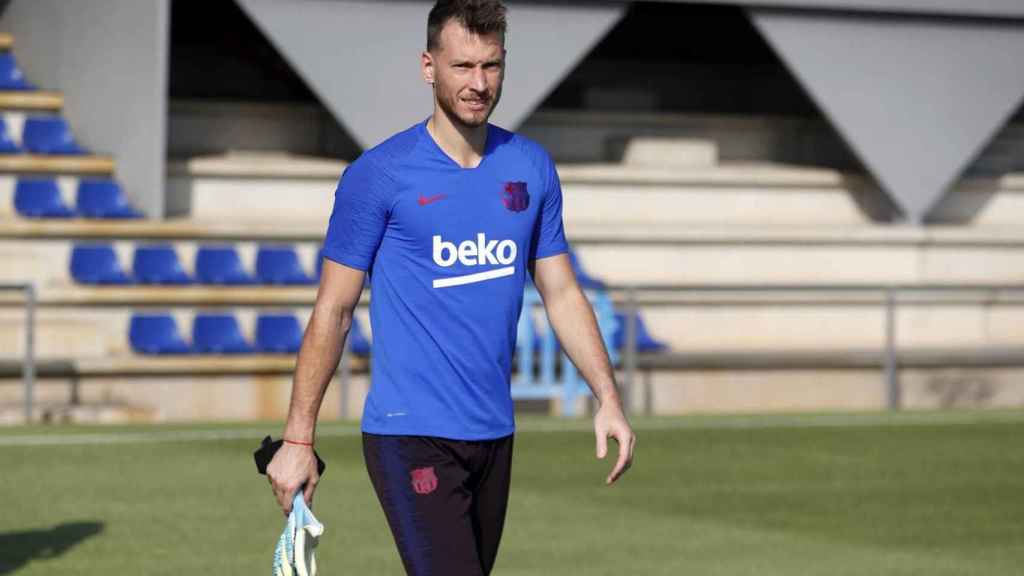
<point>933,494</point>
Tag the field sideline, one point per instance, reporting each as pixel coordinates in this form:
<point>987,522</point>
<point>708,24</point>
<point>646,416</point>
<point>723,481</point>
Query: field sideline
<point>910,493</point>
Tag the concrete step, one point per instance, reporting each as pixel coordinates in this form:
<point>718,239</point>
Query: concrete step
<point>767,262</point>
<point>15,164</point>
<point>47,262</point>
<point>282,188</point>
<point>276,187</point>
<point>669,152</point>
<point>175,398</point>
<point>817,390</point>
<point>34,101</point>
<point>667,254</point>
<point>65,413</point>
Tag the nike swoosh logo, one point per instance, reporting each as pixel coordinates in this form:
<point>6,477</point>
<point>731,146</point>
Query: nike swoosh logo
<point>424,200</point>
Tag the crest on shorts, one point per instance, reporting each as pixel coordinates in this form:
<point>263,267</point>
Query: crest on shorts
<point>424,481</point>
<point>515,197</point>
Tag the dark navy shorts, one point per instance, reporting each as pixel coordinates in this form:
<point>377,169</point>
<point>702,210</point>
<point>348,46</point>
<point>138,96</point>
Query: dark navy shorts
<point>444,500</point>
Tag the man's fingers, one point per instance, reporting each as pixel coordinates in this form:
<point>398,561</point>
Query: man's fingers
<point>602,443</point>
<point>284,500</point>
<point>292,469</point>
<point>310,488</point>
<point>625,456</point>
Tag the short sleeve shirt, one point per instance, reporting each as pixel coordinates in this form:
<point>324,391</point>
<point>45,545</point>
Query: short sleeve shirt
<point>447,250</point>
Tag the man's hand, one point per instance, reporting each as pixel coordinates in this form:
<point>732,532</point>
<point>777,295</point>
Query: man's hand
<point>610,421</point>
<point>292,467</point>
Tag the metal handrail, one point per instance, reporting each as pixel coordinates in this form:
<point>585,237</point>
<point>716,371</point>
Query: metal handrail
<point>627,295</point>
<point>28,370</point>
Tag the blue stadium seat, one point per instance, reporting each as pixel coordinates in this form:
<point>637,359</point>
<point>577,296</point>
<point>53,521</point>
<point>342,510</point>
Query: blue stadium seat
<point>40,198</point>
<point>221,265</point>
<point>218,333</point>
<point>586,281</point>
<point>7,143</point>
<point>103,198</point>
<point>96,264</point>
<point>644,341</point>
<point>280,265</point>
<point>358,343</point>
<point>158,264</point>
<point>278,333</point>
<point>156,334</point>
<point>49,135</point>
<point>11,77</point>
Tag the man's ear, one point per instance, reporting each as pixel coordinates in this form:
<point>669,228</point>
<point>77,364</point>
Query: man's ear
<point>427,65</point>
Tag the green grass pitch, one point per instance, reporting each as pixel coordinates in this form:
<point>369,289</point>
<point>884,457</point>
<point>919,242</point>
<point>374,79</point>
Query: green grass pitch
<point>913,493</point>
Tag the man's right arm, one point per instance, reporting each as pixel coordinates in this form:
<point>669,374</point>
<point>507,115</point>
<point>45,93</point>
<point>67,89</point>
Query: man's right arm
<point>294,465</point>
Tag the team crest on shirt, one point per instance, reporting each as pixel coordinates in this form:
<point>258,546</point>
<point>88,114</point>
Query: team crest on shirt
<point>424,481</point>
<point>515,197</point>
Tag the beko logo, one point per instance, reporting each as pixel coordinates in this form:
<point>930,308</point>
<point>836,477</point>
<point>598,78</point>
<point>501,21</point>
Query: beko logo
<point>479,252</point>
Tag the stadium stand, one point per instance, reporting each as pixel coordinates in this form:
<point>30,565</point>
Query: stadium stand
<point>221,265</point>
<point>156,333</point>
<point>103,198</point>
<point>219,333</point>
<point>670,212</point>
<point>280,265</point>
<point>97,264</point>
<point>158,264</point>
<point>50,134</point>
<point>40,198</point>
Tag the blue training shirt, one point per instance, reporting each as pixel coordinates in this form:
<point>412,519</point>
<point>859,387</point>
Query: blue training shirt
<point>447,250</point>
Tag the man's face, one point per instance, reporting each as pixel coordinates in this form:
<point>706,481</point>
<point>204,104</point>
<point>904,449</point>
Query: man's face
<point>467,71</point>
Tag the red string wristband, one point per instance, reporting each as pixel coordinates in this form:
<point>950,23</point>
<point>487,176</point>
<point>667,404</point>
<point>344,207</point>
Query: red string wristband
<point>287,441</point>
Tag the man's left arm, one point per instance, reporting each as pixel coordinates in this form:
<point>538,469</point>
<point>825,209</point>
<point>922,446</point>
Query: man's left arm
<point>572,318</point>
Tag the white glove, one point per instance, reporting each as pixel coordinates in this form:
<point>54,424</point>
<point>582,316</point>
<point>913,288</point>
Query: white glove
<point>294,553</point>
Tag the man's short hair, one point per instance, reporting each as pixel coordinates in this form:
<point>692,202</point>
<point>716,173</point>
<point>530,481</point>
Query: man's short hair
<point>478,16</point>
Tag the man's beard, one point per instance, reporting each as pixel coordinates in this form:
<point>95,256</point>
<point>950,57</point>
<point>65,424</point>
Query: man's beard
<point>473,122</point>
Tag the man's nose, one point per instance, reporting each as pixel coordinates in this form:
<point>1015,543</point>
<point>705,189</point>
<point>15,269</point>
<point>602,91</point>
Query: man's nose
<point>478,81</point>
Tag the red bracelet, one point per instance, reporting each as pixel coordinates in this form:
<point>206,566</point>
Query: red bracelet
<point>287,441</point>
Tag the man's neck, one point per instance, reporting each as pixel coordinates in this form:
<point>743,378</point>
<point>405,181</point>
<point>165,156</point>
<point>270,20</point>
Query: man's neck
<point>463,144</point>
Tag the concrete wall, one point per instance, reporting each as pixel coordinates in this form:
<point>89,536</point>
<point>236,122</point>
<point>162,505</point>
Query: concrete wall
<point>109,58</point>
<point>380,95</point>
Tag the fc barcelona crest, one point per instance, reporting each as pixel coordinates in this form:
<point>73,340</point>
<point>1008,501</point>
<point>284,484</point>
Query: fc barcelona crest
<point>515,197</point>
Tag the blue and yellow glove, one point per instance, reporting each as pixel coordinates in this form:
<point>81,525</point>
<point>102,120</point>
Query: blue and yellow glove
<point>294,553</point>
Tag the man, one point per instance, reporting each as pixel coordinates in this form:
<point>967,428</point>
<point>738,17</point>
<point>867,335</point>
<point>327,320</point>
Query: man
<point>448,218</point>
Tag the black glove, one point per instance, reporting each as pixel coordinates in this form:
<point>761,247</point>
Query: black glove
<point>269,447</point>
